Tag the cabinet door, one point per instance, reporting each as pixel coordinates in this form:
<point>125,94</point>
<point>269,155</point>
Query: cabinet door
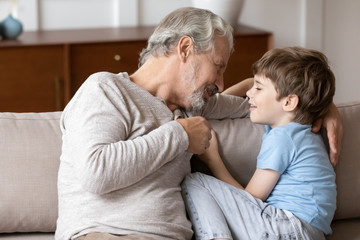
<point>248,49</point>
<point>86,59</point>
<point>30,79</point>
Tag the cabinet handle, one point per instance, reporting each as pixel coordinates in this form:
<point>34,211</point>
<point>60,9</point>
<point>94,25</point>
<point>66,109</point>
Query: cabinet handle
<point>117,57</point>
<point>57,84</point>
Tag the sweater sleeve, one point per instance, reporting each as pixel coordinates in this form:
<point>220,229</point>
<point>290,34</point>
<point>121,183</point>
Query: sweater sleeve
<point>223,106</point>
<point>99,139</point>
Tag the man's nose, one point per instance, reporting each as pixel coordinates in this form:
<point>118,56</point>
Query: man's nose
<point>220,83</point>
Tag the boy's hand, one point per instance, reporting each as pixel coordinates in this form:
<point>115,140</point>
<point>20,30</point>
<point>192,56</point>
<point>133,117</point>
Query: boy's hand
<point>212,152</point>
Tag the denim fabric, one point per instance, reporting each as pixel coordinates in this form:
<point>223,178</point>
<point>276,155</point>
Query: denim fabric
<point>107,236</point>
<point>219,210</point>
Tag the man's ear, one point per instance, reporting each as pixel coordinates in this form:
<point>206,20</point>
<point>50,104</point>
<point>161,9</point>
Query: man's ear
<point>184,47</point>
<point>290,102</point>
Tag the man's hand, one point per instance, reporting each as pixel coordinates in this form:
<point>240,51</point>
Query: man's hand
<point>333,124</point>
<point>198,130</point>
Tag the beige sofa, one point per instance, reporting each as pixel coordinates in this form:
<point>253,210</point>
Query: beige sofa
<point>29,159</point>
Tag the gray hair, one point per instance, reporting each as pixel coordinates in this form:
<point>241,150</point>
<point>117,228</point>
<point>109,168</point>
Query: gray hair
<point>199,24</point>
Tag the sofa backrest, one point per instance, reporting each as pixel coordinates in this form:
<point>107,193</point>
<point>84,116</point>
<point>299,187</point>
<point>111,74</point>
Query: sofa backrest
<point>31,147</point>
<point>347,171</point>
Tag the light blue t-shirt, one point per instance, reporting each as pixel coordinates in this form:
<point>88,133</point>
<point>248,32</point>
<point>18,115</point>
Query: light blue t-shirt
<point>306,186</point>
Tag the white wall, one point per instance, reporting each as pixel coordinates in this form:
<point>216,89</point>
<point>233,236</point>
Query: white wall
<point>73,14</point>
<point>330,26</point>
<point>342,46</point>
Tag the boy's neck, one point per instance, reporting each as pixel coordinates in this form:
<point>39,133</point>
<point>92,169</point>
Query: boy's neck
<point>285,119</point>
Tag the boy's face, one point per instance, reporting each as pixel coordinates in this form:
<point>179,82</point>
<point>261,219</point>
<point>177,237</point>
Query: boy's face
<point>264,106</point>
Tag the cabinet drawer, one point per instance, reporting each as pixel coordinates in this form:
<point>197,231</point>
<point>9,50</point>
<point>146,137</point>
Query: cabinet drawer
<point>248,49</point>
<point>86,59</point>
<point>31,79</point>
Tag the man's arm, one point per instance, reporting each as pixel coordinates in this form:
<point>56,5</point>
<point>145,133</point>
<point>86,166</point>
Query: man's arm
<point>333,124</point>
<point>97,128</point>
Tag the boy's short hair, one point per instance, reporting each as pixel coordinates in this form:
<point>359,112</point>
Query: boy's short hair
<point>303,72</point>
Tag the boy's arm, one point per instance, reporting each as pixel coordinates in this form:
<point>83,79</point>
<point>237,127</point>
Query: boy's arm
<point>240,88</point>
<point>261,184</point>
<point>220,172</point>
<point>212,159</point>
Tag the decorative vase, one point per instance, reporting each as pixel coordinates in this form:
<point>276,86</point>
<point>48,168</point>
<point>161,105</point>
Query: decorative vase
<point>229,10</point>
<point>0,30</point>
<point>11,28</point>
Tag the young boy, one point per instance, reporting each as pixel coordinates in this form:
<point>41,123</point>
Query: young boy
<point>292,194</point>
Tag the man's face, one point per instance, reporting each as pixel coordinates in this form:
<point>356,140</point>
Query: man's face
<point>205,76</point>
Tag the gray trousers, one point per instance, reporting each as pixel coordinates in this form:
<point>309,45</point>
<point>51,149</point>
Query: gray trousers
<point>219,210</point>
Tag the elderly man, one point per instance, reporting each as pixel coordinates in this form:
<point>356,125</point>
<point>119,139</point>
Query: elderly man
<point>127,140</point>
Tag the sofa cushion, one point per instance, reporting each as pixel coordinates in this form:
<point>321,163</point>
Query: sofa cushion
<point>240,140</point>
<point>29,159</point>
<point>347,171</point>
<point>345,229</point>
<point>27,236</point>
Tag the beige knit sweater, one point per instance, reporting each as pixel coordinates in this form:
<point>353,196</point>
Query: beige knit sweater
<point>123,159</point>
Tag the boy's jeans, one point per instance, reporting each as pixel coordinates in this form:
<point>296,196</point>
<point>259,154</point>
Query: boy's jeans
<point>219,210</point>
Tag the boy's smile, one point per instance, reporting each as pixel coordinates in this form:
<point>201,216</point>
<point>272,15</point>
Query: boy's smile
<point>252,106</point>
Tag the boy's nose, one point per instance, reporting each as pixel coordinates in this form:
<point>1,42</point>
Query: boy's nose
<point>248,93</point>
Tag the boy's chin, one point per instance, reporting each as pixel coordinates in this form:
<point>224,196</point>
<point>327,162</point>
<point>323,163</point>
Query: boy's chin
<point>256,120</point>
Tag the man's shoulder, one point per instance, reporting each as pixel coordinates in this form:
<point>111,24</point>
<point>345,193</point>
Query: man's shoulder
<point>107,78</point>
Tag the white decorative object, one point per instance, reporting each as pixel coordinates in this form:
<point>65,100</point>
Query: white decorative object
<point>227,9</point>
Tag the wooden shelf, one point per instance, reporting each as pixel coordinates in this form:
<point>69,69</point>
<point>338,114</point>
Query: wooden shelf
<point>79,36</point>
<point>41,71</point>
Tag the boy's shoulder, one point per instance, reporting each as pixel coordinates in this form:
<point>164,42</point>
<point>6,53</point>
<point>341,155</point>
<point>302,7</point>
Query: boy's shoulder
<point>289,129</point>
<point>289,134</point>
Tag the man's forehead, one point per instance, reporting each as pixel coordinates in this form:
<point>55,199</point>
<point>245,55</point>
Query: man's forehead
<point>221,48</point>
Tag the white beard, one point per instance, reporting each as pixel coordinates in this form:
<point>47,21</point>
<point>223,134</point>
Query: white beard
<point>196,101</point>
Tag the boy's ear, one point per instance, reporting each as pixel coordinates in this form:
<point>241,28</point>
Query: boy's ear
<point>290,102</point>
<point>184,47</point>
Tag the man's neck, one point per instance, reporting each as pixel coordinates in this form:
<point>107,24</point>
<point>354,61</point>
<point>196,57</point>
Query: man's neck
<point>157,77</point>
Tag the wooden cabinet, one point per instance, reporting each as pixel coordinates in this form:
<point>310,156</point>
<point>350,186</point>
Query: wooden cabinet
<point>42,70</point>
<point>30,78</point>
<point>95,57</point>
<point>249,44</point>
